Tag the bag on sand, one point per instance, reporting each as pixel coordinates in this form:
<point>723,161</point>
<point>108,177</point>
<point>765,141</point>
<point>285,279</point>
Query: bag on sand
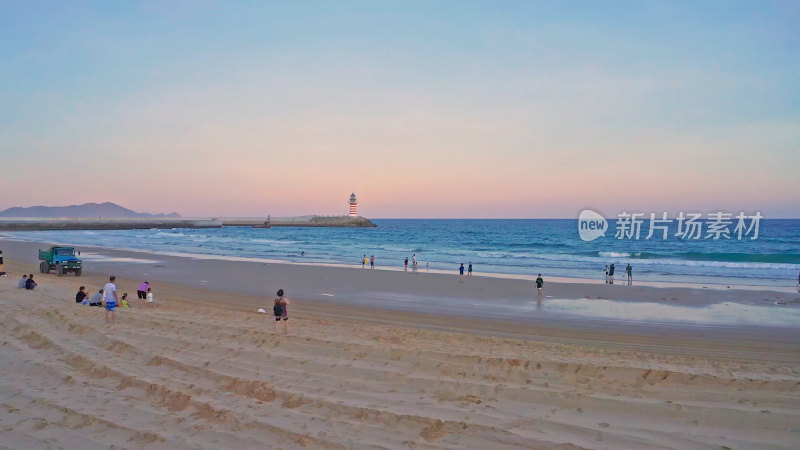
<point>277,309</point>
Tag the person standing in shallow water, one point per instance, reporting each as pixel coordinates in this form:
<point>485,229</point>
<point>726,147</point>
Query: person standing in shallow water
<point>539,284</point>
<point>629,272</point>
<point>281,312</point>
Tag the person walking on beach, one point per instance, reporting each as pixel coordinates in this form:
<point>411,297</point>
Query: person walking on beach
<point>469,269</point>
<point>364,261</point>
<point>30,284</point>
<point>629,271</point>
<point>406,262</point>
<point>611,274</point>
<point>606,273</point>
<point>461,273</point>
<point>110,299</point>
<point>539,284</point>
<point>371,261</point>
<point>141,291</point>
<point>280,311</point>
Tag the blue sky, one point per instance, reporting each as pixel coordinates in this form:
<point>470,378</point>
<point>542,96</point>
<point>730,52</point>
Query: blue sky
<point>536,109</point>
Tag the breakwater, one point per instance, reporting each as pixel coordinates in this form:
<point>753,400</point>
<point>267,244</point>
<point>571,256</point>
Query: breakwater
<point>52,224</point>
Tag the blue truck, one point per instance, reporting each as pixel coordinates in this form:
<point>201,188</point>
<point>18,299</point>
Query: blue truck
<point>61,259</point>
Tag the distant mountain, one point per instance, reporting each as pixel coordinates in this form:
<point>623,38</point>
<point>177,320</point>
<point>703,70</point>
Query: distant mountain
<point>105,210</point>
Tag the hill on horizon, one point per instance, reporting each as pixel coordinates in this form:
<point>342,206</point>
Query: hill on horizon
<point>86,210</point>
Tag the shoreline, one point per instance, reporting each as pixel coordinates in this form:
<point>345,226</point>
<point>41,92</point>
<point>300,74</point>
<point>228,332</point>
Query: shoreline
<point>510,276</point>
<point>574,305</point>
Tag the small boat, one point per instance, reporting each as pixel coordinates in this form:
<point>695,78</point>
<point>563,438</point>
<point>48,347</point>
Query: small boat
<point>266,224</point>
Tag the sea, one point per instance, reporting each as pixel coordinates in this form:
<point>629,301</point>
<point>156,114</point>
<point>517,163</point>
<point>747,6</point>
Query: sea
<point>551,247</point>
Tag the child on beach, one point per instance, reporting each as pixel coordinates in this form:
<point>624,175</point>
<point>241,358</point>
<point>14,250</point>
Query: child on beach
<point>606,273</point>
<point>539,284</point>
<point>81,295</point>
<point>461,273</point>
<point>280,311</point>
<point>123,303</point>
<point>469,269</point>
<point>97,299</point>
<point>149,297</point>
<point>22,281</point>
<point>406,266</point>
<point>30,284</point>
<point>372,261</point>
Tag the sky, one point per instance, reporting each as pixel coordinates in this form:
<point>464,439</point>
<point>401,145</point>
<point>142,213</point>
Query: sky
<point>432,109</point>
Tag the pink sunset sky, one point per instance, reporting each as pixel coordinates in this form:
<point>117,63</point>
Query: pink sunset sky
<point>426,111</point>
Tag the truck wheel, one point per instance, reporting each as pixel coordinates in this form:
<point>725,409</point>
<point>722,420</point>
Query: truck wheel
<point>46,267</point>
<point>59,270</point>
<point>78,272</point>
<point>42,265</point>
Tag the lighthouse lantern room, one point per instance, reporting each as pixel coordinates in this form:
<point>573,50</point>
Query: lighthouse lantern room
<point>353,202</point>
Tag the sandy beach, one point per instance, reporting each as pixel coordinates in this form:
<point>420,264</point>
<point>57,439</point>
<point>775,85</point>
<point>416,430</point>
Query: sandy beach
<point>204,370</point>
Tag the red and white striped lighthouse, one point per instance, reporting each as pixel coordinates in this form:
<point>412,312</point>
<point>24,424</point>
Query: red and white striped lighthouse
<point>353,202</point>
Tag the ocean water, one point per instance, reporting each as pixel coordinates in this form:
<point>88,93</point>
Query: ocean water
<point>550,247</point>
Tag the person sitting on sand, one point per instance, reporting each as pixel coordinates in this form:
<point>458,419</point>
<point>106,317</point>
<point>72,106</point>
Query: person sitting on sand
<point>22,281</point>
<point>149,297</point>
<point>280,311</point>
<point>97,299</point>
<point>30,284</point>
<point>123,303</point>
<point>81,295</point>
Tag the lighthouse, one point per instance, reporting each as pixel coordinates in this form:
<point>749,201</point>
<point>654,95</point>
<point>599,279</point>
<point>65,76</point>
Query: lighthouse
<point>353,202</point>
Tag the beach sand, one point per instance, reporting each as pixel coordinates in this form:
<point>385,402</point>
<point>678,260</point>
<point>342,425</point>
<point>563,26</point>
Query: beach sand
<point>202,369</point>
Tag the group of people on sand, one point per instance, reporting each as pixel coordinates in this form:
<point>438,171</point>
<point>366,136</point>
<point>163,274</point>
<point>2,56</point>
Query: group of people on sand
<point>370,260</point>
<point>26,282</point>
<point>610,274</point>
<point>108,298</point>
